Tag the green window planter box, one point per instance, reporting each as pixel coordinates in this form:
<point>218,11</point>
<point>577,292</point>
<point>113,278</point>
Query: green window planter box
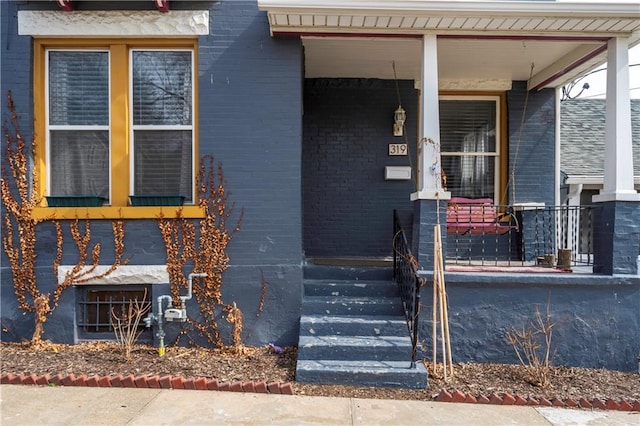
<point>75,200</point>
<point>156,200</point>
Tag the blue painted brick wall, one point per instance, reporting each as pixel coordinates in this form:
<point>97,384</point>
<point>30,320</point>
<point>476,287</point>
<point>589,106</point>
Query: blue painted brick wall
<point>250,120</point>
<point>531,145</point>
<point>595,318</point>
<point>348,205</point>
<point>617,230</point>
<point>250,104</point>
<point>15,68</point>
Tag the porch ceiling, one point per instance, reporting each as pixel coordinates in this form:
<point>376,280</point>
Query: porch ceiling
<point>462,63</point>
<point>481,44</point>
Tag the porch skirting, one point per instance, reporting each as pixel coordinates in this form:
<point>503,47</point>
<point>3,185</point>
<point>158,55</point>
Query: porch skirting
<point>596,318</point>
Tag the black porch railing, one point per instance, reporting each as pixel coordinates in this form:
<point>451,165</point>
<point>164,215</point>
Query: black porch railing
<point>556,229</point>
<point>405,275</point>
<point>544,236</point>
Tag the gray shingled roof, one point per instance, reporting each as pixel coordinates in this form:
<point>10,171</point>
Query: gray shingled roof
<point>582,136</point>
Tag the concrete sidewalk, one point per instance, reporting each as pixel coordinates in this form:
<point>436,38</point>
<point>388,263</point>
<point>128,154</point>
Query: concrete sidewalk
<point>38,405</point>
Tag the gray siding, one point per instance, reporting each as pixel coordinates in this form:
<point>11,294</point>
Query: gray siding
<point>583,133</point>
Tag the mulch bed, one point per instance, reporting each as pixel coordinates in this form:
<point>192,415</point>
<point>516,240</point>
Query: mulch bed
<point>263,369</point>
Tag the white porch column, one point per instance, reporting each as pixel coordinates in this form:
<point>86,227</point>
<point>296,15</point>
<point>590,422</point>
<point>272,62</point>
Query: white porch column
<point>429,167</point>
<point>618,158</point>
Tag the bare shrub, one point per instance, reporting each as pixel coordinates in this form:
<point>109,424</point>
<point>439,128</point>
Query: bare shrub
<point>126,324</point>
<point>533,346</point>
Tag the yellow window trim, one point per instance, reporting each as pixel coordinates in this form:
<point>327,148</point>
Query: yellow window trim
<point>119,128</point>
<point>109,212</point>
<point>503,142</point>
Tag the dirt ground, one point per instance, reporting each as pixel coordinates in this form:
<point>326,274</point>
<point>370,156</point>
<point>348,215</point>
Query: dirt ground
<point>265,364</point>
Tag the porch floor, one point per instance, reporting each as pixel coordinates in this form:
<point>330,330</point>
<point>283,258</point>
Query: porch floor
<point>452,266</point>
<point>515,267</point>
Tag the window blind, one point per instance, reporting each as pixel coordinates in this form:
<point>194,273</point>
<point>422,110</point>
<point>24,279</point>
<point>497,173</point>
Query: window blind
<point>161,88</point>
<point>163,163</point>
<point>78,88</point>
<point>78,139</point>
<point>162,123</point>
<point>468,146</point>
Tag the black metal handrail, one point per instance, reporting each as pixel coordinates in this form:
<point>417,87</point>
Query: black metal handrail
<point>405,275</point>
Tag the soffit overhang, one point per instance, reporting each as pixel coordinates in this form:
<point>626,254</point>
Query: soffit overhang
<point>452,17</point>
<point>572,33</point>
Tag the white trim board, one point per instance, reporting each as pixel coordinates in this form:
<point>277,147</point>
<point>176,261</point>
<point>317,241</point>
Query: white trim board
<point>124,274</point>
<point>113,23</point>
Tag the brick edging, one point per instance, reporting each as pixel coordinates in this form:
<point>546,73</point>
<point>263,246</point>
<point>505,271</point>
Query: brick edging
<point>508,399</point>
<point>148,382</point>
<point>203,383</point>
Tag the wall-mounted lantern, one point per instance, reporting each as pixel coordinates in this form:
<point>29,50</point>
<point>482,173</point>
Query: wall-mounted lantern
<point>399,118</point>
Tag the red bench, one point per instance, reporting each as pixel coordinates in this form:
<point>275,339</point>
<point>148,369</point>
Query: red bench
<point>475,216</point>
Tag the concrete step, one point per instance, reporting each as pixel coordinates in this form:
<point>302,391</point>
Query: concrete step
<point>368,288</point>
<point>347,272</point>
<point>352,329</point>
<point>377,348</point>
<point>386,325</point>
<point>363,373</point>
<point>344,305</point>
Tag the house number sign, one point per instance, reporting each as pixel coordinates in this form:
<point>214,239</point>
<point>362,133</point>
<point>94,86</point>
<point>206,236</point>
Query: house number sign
<point>397,149</point>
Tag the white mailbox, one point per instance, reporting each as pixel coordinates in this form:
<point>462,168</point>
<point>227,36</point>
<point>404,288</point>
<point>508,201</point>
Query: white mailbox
<point>397,173</point>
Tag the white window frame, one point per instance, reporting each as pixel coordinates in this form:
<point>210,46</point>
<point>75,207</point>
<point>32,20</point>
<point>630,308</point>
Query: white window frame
<point>133,128</point>
<point>49,127</point>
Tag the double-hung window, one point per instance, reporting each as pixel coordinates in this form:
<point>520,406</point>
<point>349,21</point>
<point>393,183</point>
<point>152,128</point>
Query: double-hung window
<point>78,121</point>
<point>119,120</point>
<point>162,122</point>
<point>470,145</point>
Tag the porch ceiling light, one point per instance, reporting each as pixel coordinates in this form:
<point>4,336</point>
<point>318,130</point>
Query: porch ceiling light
<point>399,118</point>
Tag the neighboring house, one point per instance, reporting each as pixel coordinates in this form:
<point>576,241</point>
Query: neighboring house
<point>583,134</point>
<point>582,147</point>
<point>298,100</point>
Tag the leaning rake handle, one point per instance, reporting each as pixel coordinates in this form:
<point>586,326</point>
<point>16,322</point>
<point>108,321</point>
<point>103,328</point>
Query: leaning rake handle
<point>440,311</point>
